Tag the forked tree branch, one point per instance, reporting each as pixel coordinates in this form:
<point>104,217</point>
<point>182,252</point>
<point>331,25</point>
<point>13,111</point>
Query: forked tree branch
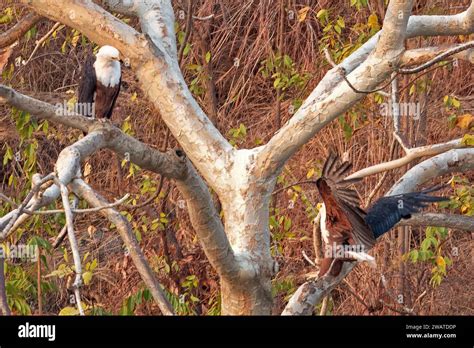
<point>172,164</point>
<point>329,99</point>
<point>152,56</point>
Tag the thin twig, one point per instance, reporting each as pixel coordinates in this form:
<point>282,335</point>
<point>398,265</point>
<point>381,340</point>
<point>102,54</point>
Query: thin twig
<point>189,24</point>
<point>79,211</point>
<point>308,259</point>
<point>59,239</point>
<point>342,72</point>
<point>402,141</point>
<point>206,18</point>
<point>294,184</point>
<point>324,305</point>
<point>36,187</point>
<point>43,39</point>
<point>8,200</point>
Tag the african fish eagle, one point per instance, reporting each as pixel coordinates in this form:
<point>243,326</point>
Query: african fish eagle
<point>345,224</point>
<point>100,83</point>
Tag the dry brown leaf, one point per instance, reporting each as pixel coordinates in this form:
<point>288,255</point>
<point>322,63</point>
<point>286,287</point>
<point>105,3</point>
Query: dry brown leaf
<point>465,121</point>
<point>4,56</point>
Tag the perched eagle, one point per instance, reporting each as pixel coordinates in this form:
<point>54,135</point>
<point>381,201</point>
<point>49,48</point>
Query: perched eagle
<point>100,83</point>
<point>344,224</point>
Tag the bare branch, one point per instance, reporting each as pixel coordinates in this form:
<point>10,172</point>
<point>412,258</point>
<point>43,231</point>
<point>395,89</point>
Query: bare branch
<point>46,111</point>
<point>420,54</point>
<point>73,243</point>
<point>60,237</point>
<point>17,213</point>
<point>43,39</point>
<point>456,160</point>
<point>329,99</point>
<point>412,154</point>
<point>125,230</point>
<point>79,211</point>
<point>19,29</point>
<point>462,23</point>
<point>312,292</point>
<point>456,222</point>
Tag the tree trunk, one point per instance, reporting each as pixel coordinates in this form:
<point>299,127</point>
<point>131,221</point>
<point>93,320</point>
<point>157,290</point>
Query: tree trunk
<point>246,211</point>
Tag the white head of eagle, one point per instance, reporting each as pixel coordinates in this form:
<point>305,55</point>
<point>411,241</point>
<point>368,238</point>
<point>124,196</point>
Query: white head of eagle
<point>100,83</point>
<point>107,66</point>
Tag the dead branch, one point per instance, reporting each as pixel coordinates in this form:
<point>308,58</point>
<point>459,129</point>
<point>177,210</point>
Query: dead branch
<point>73,243</point>
<point>125,230</point>
<point>19,29</point>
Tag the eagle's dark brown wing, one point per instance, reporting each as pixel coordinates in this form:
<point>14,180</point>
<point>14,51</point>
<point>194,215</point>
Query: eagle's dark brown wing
<point>87,86</point>
<point>339,198</point>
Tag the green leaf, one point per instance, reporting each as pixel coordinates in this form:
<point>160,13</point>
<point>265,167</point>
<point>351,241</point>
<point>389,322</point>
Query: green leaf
<point>322,14</point>
<point>340,22</point>
<point>69,311</point>
<point>208,57</point>
<point>273,222</point>
<point>455,103</point>
<point>276,83</point>
<point>8,155</point>
<point>93,265</point>
<point>87,277</point>
<point>186,50</point>
<point>468,140</point>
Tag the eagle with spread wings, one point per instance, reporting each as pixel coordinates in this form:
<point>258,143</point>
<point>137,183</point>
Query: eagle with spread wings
<point>345,224</point>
